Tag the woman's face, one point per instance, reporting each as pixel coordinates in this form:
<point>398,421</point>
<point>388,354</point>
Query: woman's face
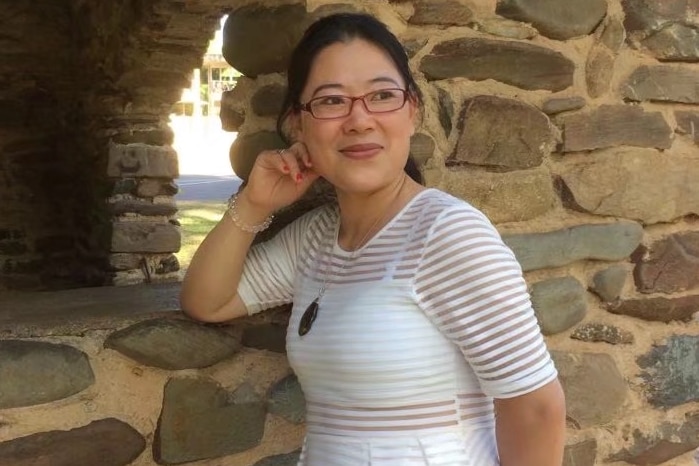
<point>363,151</point>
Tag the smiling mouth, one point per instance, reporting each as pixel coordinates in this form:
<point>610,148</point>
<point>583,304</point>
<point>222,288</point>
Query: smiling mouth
<point>361,151</point>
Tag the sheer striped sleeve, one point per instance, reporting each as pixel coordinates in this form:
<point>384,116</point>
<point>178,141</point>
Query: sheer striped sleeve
<point>270,267</point>
<point>470,285</point>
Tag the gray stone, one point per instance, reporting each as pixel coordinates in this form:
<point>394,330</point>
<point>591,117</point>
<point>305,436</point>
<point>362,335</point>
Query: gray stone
<point>286,399</point>
<point>559,304</point>
<point>652,14</point>
<point>664,443</point>
<point>141,236</point>
<point>167,264</point>
<point>200,420</point>
<point>246,148</point>
<point>668,265</point>
<point>267,101</point>
<point>594,388</point>
<point>142,160</point>
<point>125,186</point>
<point>287,459</point>
<point>421,148</point>
<point>502,133</point>
<point>519,64</point>
<point>671,371</point>
<point>505,28</point>
<point>413,46</point>
<point>580,454</point>
<point>675,42</point>
<point>610,242</point>
<point>556,19</point>
<point>640,184</point>
<point>688,123</point>
<point>615,125</point>
<point>248,45</point>
<point>609,283</point>
<point>613,34</point>
<point>143,207</point>
<point>563,104</point>
<point>173,344</point>
<point>271,337</point>
<point>503,197</point>
<point>599,70</point>
<point>441,12</point>
<point>446,110</point>
<point>153,187</point>
<point>658,309</point>
<point>107,442</point>
<point>663,83</point>
<point>34,372</point>
<point>597,332</point>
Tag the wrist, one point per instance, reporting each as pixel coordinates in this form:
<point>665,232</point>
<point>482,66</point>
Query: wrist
<point>246,216</point>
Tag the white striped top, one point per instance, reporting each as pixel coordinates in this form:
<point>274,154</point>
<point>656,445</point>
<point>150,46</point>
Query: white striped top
<point>416,333</point>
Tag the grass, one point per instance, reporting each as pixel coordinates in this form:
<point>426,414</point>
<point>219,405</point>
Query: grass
<point>197,219</point>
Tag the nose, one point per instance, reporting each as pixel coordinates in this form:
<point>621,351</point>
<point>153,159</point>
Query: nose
<point>359,118</point>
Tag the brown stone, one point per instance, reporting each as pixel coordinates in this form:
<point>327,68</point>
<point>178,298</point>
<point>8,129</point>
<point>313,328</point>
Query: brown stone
<point>596,332</point>
<point>246,148</point>
<point>613,34</point>
<point>555,19</point>
<point>441,12</point>
<point>669,265</point>
<point>421,148</point>
<point>519,64</point>
<point>143,207</point>
<point>413,46</point>
<point>658,309</point>
<point>599,70</point>
<point>123,262</point>
<point>563,104</point>
<point>267,101</point>
<point>651,14</point>
<point>614,125</point>
<point>141,160</point>
<point>502,133</point>
<point>580,454</point>
<point>107,442</point>
<point>663,83</point>
<point>688,123</point>
<point>232,114</point>
<point>153,187</point>
<point>676,42</point>
<point>334,8</point>
<point>637,184</point>
<point>141,236</point>
<point>446,110</point>
<point>505,28</point>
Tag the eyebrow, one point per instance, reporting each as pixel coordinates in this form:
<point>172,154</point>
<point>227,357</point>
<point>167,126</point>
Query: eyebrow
<point>380,79</point>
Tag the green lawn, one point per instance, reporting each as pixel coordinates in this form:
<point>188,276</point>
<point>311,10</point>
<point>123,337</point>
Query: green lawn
<point>197,219</point>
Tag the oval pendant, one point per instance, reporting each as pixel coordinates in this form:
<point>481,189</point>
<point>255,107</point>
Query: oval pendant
<point>308,317</point>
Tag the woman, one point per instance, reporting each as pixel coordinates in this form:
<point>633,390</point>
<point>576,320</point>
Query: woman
<point>411,333</point>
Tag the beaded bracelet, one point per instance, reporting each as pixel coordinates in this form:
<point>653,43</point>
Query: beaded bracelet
<point>232,212</point>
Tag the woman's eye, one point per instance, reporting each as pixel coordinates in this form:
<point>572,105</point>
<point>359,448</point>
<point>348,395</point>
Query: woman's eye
<point>384,95</point>
<point>331,100</point>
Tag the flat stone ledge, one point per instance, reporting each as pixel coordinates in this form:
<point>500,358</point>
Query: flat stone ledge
<point>73,312</point>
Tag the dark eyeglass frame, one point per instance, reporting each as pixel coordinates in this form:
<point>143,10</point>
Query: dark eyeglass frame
<point>307,106</point>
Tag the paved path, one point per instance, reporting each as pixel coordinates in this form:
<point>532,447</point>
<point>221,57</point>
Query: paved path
<point>206,187</point>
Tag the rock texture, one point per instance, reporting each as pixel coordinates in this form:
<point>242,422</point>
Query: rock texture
<point>663,83</point>
<point>555,19</point>
<point>669,265</point>
<point>671,371</point>
<point>559,304</point>
<point>286,399</point>
<point>658,309</point>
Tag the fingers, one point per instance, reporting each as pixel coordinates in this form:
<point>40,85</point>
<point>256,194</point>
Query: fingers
<point>295,161</point>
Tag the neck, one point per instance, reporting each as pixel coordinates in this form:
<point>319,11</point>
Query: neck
<point>362,215</point>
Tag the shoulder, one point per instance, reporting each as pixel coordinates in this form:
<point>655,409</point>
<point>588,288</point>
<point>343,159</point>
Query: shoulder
<point>446,213</point>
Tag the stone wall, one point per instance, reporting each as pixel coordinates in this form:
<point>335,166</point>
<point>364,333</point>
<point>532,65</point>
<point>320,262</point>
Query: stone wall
<point>572,128</point>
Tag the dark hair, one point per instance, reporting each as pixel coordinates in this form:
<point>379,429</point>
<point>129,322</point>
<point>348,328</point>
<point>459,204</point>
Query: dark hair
<point>343,27</point>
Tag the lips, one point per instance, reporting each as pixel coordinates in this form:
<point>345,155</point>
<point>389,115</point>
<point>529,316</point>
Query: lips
<point>361,151</point>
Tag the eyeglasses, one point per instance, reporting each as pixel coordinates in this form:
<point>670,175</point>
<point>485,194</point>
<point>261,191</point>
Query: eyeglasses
<point>328,107</point>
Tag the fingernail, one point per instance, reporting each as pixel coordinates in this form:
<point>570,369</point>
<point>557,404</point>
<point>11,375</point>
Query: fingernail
<point>299,177</point>
<point>285,168</point>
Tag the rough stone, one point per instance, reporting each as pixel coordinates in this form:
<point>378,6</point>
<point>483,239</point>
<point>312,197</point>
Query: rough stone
<point>688,123</point>
<point>446,111</point>
<point>651,14</point>
<point>231,115</point>
<point>505,28</point>
<point>635,183</point>
<point>246,148</point>
<point>613,34</point>
<point>554,19</point>
<point>267,101</point>
<point>155,137</point>
<point>441,12</point>
<point>666,442</point>
<point>519,64</point>
<point>502,133</point>
<point>663,83</point>
<point>248,45</point>
<point>611,242</point>
<point>286,399</point>
<point>669,265</point>
<point>173,344</point>
<point>580,454</point>
<point>200,420</point>
<point>122,262</point>
<point>125,186</point>
<point>658,309</point>
<point>675,42</point>
<point>615,125</point>
<point>608,283</point>
<point>671,370</point>
<point>422,148</point>
<point>334,8</point>
<point>153,187</point>
<point>594,388</point>
<point>107,442</point>
<point>563,104</point>
<point>271,337</point>
<point>504,197</point>
<point>413,46</point>
<point>141,236</point>
<point>599,70</point>
<point>141,160</point>
<point>287,459</point>
<point>559,304</point>
<point>34,372</point>
<point>597,332</point>
<point>167,264</point>
<point>143,207</point>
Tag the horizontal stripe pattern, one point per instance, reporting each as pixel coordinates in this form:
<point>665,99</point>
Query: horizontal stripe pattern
<point>415,334</point>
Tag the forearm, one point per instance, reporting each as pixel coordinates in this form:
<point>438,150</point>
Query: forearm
<point>532,433</point>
